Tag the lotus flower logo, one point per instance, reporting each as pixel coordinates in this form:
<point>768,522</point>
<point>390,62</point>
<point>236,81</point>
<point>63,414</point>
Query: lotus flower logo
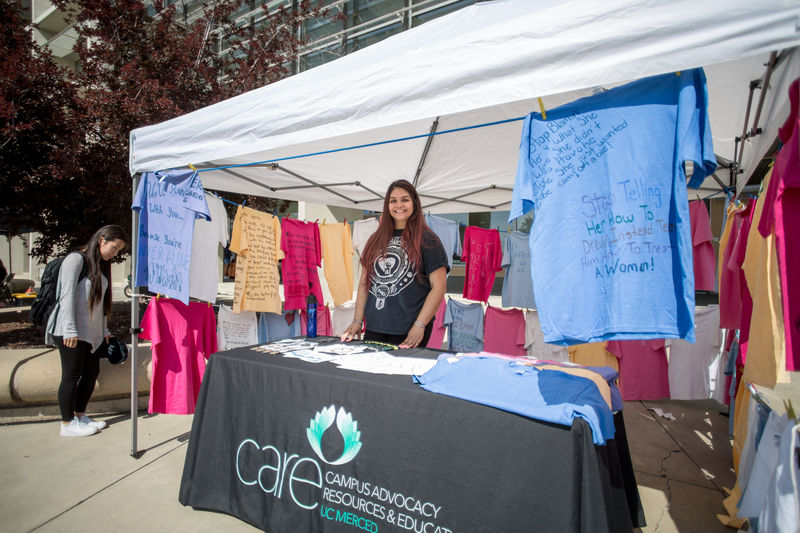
<point>347,427</point>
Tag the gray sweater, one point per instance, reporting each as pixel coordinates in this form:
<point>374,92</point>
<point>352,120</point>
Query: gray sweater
<point>71,316</point>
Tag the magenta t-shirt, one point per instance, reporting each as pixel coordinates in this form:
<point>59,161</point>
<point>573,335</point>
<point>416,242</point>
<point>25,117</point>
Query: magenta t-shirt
<point>504,331</point>
<point>643,371</point>
<point>183,337</point>
<point>782,213</point>
<point>303,254</point>
<point>483,255</point>
<point>705,260</point>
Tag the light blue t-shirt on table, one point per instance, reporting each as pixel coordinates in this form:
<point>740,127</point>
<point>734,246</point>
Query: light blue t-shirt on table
<point>168,204</point>
<point>611,241</point>
<point>548,395</point>
<point>517,283</point>
<point>447,231</point>
<point>464,324</point>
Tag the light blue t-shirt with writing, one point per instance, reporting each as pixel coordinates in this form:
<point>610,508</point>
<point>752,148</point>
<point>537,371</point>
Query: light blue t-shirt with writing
<point>611,241</point>
<point>465,326</point>
<point>168,204</point>
<point>517,282</point>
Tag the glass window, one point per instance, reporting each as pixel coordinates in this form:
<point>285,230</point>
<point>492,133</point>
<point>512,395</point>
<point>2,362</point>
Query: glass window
<point>425,16</point>
<point>362,41</point>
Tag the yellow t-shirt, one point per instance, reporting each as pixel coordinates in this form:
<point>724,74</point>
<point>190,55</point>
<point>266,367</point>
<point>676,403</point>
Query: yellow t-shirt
<point>592,354</point>
<point>766,349</point>
<point>256,239</point>
<point>337,261</point>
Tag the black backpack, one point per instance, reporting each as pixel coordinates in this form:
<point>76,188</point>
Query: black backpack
<point>45,300</point>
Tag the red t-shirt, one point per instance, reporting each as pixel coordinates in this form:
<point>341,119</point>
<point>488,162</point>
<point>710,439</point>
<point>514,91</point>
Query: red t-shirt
<point>300,243</point>
<point>483,255</point>
<point>504,331</point>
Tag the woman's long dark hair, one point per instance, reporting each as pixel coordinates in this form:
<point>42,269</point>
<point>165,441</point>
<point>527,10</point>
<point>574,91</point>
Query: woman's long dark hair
<point>414,235</point>
<point>98,266</point>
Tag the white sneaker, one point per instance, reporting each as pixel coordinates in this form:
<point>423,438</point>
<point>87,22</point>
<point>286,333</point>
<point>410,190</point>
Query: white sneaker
<point>99,424</point>
<point>76,428</point>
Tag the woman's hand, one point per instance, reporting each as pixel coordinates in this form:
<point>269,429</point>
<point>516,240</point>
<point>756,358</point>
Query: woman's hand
<point>414,337</point>
<point>108,338</point>
<point>352,332</point>
<point>71,342</point>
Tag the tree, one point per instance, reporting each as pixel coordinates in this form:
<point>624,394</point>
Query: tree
<point>36,103</point>
<point>141,65</point>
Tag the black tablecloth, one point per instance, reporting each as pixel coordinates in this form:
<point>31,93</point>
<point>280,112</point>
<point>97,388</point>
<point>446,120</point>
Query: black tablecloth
<point>404,460</point>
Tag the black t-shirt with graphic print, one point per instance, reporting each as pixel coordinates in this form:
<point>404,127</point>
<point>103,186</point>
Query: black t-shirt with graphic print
<point>396,294</point>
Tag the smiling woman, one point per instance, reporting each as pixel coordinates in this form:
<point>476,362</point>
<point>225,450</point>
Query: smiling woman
<point>404,276</point>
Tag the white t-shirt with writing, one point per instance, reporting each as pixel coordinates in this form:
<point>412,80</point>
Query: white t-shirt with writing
<point>205,270</point>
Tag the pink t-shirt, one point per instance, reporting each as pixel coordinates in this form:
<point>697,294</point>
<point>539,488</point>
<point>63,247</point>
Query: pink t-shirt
<point>483,255</point>
<point>300,243</point>
<point>437,333</point>
<point>736,262</point>
<point>705,261</point>
<point>504,331</point>
<point>324,327</point>
<point>183,337</point>
<point>782,215</point>
<point>643,372</point>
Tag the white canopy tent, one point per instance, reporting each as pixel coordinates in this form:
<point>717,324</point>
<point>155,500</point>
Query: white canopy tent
<point>353,125</point>
<point>442,104</point>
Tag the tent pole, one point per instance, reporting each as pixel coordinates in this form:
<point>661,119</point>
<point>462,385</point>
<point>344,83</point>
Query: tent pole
<point>134,323</point>
<point>428,142</point>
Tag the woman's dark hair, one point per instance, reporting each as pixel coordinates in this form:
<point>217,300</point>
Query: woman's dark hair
<point>415,235</point>
<point>97,265</point>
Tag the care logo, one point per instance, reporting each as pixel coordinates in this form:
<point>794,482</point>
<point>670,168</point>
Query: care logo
<point>348,428</point>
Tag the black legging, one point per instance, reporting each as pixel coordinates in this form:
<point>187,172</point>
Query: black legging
<point>79,371</point>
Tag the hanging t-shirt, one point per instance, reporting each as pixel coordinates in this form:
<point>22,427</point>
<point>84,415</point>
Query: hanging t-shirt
<point>517,283</point>
<point>643,372</point>
<point>236,330</point>
<point>690,363</point>
<point>447,231</point>
<point>362,231</point>
<point>256,238</point>
<point>465,326</point>
<point>730,286</point>
<point>168,204</point>
<point>704,258</point>
<point>547,395</point>
<point>277,326</point>
<point>396,293</point>
<point>482,254</point>
<point>766,361</point>
<point>183,337</point>
<point>735,263</point>
<point>437,333</point>
<point>534,341</point>
<point>342,317</point>
<point>504,331</point>
<point>606,177</point>
<point>324,327</point>
<point>781,216</point>
<point>337,260</point>
<point>302,249</point>
<point>204,270</point>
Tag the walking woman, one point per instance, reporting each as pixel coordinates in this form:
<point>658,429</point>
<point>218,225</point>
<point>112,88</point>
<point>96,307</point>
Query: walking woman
<point>77,325</point>
<point>404,274</point>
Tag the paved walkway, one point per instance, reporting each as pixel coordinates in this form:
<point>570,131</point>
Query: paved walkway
<point>94,484</point>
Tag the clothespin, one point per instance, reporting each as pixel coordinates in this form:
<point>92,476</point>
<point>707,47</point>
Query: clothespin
<point>316,221</point>
<point>677,72</point>
<point>274,212</point>
<point>541,108</point>
<point>345,221</point>
<point>323,220</point>
<point>787,405</point>
<point>193,167</point>
<point>244,202</point>
<point>158,295</point>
